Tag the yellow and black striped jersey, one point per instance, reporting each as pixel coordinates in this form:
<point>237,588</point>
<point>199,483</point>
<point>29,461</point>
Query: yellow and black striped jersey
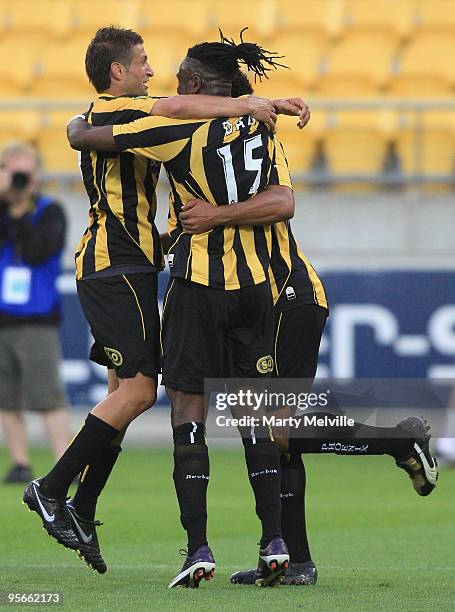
<point>292,278</point>
<point>121,234</point>
<point>221,161</point>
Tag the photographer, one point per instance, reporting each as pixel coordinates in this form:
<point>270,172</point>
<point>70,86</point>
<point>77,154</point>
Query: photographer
<point>32,234</point>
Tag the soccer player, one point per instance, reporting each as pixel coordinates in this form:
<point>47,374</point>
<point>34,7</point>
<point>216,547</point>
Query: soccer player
<point>117,261</point>
<point>218,311</point>
<point>301,310</point>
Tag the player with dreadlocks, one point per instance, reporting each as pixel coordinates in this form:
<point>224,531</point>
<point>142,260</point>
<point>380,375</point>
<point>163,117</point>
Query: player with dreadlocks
<point>300,315</point>
<point>218,311</point>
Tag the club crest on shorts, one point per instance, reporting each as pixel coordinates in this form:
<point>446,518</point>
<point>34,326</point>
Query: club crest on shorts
<point>265,364</point>
<point>114,355</point>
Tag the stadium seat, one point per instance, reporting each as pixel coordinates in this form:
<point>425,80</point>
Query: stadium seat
<point>62,72</point>
<point>303,55</point>
<point>356,142</point>
<point>176,16</point>
<point>386,17</point>
<point>426,142</point>
<point>38,17</point>
<point>57,155</point>
<point>19,66</point>
<point>359,65</point>
<point>258,15</point>
<point>311,16</point>
<point>300,145</point>
<point>20,124</point>
<point>426,67</point>
<point>436,15</point>
<point>88,16</point>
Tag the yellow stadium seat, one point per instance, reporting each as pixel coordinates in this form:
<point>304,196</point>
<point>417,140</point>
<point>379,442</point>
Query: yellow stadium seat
<point>427,67</point>
<point>20,125</point>
<point>436,15</point>
<point>359,65</point>
<point>356,143</point>
<point>304,16</point>
<point>3,15</point>
<point>300,145</point>
<point>303,55</point>
<point>434,154</point>
<point>19,66</point>
<point>62,73</point>
<point>387,16</point>
<point>88,16</point>
<point>426,142</point>
<point>258,15</point>
<point>176,16</point>
<point>45,17</point>
<point>56,154</point>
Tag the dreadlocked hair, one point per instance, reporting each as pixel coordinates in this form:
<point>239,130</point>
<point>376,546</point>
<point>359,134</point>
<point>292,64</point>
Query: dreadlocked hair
<point>223,57</point>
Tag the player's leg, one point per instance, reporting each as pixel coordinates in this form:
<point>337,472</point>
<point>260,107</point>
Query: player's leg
<point>95,476</point>
<point>251,346</point>
<point>297,338</point>
<point>93,480</point>
<point>298,334</point>
<point>127,335</point>
<point>407,443</point>
<point>56,424</point>
<point>190,353</point>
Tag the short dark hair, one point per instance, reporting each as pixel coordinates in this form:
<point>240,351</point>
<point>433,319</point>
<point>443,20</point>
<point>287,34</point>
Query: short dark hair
<point>224,57</point>
<point>110,44</point>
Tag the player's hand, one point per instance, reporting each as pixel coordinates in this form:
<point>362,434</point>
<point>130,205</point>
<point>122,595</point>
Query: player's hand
<point>263,110</point>
<point>294,107</point>
<point>198,217</point>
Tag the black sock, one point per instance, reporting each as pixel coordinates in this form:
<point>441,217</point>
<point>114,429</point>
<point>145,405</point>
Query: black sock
<point>264,472</point>
<point>359,439</point>
<point>94,437</point>
<point>293,524</point>
<point>191,478</point>
<point>94,479</point>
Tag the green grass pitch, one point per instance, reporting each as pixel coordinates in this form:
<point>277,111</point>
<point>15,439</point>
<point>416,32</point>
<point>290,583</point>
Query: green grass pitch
<point>378,546</point>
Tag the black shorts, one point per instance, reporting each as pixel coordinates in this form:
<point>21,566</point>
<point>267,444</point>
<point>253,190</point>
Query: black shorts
<point>298,335</point>
<point>212,333</point>
<point>123,315</point>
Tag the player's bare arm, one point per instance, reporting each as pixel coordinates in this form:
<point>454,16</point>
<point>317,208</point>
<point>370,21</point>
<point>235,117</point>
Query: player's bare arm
<point>197,107</point>
<point>274,204</point>
<point>209,107</point>
<point>84,137</point>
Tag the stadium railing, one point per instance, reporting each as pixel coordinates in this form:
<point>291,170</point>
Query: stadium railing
<point>406,117</point>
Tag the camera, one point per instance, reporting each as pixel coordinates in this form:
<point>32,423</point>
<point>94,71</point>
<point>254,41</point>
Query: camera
<point>20,181</point>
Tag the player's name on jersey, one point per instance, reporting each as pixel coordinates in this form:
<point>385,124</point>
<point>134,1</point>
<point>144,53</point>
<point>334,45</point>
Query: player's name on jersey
<point>293,422</point>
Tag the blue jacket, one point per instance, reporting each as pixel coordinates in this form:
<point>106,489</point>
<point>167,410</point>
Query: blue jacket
<point>30,254</point>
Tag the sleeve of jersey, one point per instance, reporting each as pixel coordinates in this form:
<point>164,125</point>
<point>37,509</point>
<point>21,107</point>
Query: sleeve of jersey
<point>280,171</point>
<point>158,138</point>
<point>144,104</point>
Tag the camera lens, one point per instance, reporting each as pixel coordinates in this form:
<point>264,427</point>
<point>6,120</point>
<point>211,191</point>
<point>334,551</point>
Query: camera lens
<point>20,180</point>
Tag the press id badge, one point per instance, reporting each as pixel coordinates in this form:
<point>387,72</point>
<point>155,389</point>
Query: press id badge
<point>16,285</point>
